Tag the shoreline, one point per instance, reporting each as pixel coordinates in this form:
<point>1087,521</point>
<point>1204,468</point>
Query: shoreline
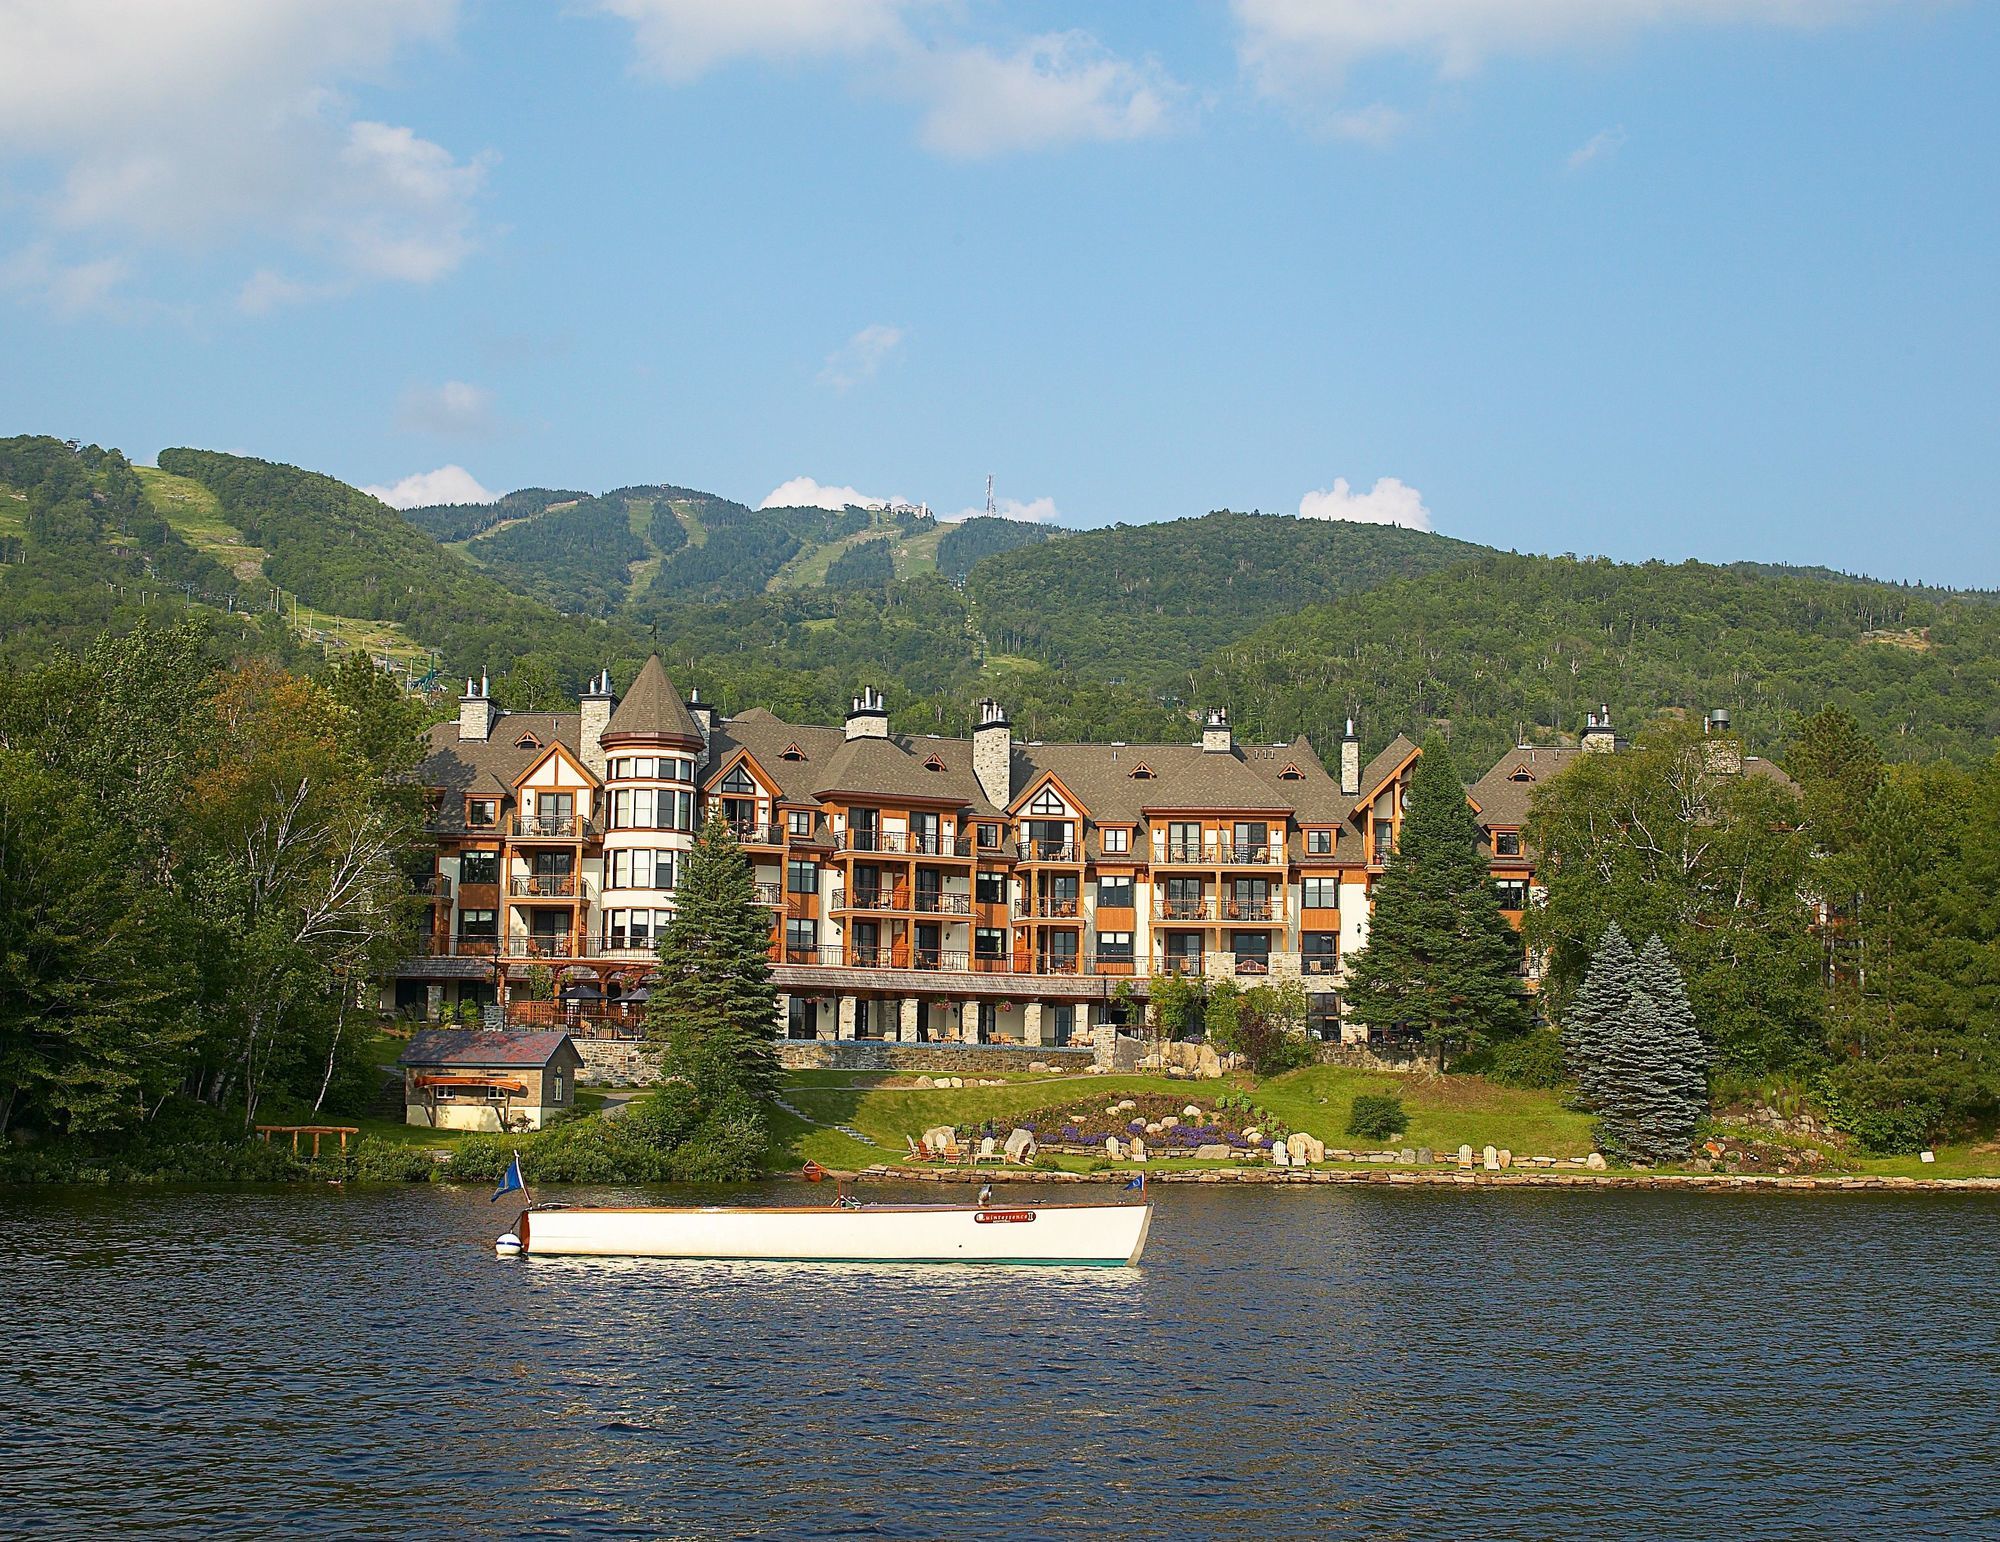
<point>1849,1182</point>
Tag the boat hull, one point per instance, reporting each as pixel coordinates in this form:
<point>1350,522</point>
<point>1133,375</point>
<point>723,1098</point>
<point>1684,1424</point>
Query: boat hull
<point>956,1234</point>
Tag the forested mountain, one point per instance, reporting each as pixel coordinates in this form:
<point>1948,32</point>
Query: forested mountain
<point>1122,633</point>
<point>461,521</point>
<point>1145,603</point>
<point>1507,647</point>
<point>963,544</point>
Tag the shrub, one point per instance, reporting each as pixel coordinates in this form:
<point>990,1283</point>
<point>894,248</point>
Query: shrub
<point>1377,1116</point>
<point>1533,1060</point>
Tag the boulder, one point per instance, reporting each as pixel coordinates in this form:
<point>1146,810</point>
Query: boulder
<point>1315,1149</point>
<point>1253,1134</point>
<point>1037,1065</point>
<point>1490,1159</point>
<point>1021,1146</point>
<point>1215,1153</point>
<point>1506,1157</point>
<point>1209,1065</point>
<point>1425,1156</point>
<point>1126,1105</point>
<point>1192,1111</point>
<point>1154,1127</point>
<point>925,1081</point>
<point>1595,1162</point>
<point>1168,1123</point>
<point>1406,1156</point>
<point>1295,1145</point>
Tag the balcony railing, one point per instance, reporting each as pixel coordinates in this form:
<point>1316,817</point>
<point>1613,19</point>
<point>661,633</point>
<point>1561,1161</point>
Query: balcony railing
<point>758,835</point>
<point>1187,910</point>
<point>946,960</point>
<point>1185,853</point>
<point>1252,910</point>
<point>1253,963</point>
<point>1181,963</point>
<point>528,945</point>
<point>1254,854</point>
<point>770,894</point>
<point>553,827</point>
<point>1113,964</point>
<point>1319,963</point>
<point>1047,851</point>
<point>908,843</point>
<point>925,904</point>
<point>550,886</point>
<point>1049,909</point>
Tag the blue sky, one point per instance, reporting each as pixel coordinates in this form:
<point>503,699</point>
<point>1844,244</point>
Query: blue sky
<point>1674,278</point>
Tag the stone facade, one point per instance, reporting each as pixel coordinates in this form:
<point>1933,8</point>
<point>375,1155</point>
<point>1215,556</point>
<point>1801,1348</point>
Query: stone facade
<point>875,1055</point>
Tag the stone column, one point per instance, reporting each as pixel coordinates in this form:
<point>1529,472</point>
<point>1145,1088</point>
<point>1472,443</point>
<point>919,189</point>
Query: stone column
<point>1079,1028</point>
<point>1031,1023</point>
<point>1104,1041</point>
<point>433,1000</point>
<point>968,1022</point>
<point>846,1028</point>
<point>783,1026</point>
<point>907,1024</point>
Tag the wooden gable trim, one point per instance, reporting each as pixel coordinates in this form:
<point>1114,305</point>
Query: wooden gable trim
<point>556,747</point>
<point>766,783</point>
<point>1019,806</point>
<point>1370,794</point>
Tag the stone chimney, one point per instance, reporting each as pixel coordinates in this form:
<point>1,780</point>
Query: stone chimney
<point>1216,738</point>
<point>1598,735</point>
<point>1350,761</point>
<point>1724,749</point>
<point>593,713</point>
<point>993,753</point>
<point>868,718</point>
<point>476,712</point>
<point>703,715</point>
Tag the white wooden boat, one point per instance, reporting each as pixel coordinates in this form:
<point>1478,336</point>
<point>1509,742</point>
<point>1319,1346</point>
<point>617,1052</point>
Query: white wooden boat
<point>956,1234</point>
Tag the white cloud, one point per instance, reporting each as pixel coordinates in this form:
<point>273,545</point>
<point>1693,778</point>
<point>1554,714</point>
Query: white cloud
<point>1388,502</point>
<point>860,356</point>
<point>1060,88</point>
<point>447,484</point>
<point>1054,89</point>
<point>1375,124</point>
<point>1604,145</point>
<point>1036,511</point>
<point>805,493</point>
<point>70,289</point>
<point>681,40</point>
<point>214,124</point>
<point>454,410</point>
<point>1287,45</point>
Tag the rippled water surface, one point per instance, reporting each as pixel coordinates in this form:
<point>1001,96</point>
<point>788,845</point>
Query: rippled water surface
<point>1351,1362</point>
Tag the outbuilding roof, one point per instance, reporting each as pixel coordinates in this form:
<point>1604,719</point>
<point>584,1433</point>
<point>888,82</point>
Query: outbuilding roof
<point>477,1049</point>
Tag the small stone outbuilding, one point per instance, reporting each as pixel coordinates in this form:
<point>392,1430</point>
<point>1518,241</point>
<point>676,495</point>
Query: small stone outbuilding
<point>469,1079</point>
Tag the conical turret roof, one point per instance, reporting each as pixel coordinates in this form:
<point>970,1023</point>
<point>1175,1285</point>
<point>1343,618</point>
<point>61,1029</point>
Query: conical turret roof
<point>653,709</point>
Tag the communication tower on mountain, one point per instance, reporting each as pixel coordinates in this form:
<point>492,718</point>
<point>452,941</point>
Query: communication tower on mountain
<point>992,508</point>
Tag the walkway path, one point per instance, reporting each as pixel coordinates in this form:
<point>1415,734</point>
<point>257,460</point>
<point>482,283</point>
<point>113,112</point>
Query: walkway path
<point>846,1129</point>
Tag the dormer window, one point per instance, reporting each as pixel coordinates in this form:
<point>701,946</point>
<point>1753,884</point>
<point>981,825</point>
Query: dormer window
<point>738,781</point>
<point>1291,773</point>
<point>1521,774</point>
<point>932,763</point>
<point>482,813</point>
<point>528,741</point>
<point>791,752</point>
<point>1142,772</point>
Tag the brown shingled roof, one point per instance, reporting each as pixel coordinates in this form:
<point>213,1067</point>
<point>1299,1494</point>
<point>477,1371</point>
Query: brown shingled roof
<point>487,769</point>
<point>471,1047</point>
<point>652,707</point>
<point>1503,802</point>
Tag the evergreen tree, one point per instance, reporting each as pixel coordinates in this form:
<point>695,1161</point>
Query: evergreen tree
<point>1600,1003</point>
<point>1686,1066</point>
<point>1441,958</point>
<point>715,1007</point>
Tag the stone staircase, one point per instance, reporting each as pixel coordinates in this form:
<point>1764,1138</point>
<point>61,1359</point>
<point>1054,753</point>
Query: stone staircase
<point>846,1129</point>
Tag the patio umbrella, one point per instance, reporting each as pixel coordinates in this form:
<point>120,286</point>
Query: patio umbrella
<point>639,994</point>
<point>582,991</point>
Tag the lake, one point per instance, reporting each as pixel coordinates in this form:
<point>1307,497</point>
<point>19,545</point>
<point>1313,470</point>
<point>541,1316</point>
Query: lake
<point>1367,1362</point>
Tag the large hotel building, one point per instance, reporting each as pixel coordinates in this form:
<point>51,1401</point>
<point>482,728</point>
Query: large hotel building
<point>979,889</point>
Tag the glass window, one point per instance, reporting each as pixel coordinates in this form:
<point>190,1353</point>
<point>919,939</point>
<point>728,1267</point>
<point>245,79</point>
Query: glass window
<point>801,937</point>
<point>1322,894</point>
<point>989,837</point>
<point>482,812</point>
<point>1114,890</point>
<point>664,874</point>
<point>1117,840</point>
<point>1183,841</point>
<point>990,888</point>
<point>555,1086</point>
<point>801,877</point>
<point>1323,1015</point>
<point>738,781</point>
<point>1319,952</point>
<point>478,923</point>
<point>1506,843</point>
<point>1385,839</point>
<point>989,942</point>
<point>1319,842</point>
<point>800,823</point>
<point>479,867</point>
<point>1513,893</point>
<point>1115,947</point>
<point>1046,802</point>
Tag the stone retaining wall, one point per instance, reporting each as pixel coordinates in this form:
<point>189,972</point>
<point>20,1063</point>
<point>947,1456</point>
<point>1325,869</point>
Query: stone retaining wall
<point>891,1055</point>
<point>618,1063</point>
<point>1529,1180</point>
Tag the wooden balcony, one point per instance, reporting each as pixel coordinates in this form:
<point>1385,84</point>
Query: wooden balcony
<point>1046,909</point>
<point>1048,851</point>
<point>550,886</point>
<point>758,835</point>
<point>907,843</point>
<point>552,827</point>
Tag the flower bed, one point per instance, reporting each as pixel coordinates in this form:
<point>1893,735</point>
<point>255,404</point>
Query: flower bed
<point>1160,1120</point>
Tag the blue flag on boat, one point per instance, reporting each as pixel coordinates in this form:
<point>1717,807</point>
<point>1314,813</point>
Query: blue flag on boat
<point>510,1180</point>
<point>1137,1181</point>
